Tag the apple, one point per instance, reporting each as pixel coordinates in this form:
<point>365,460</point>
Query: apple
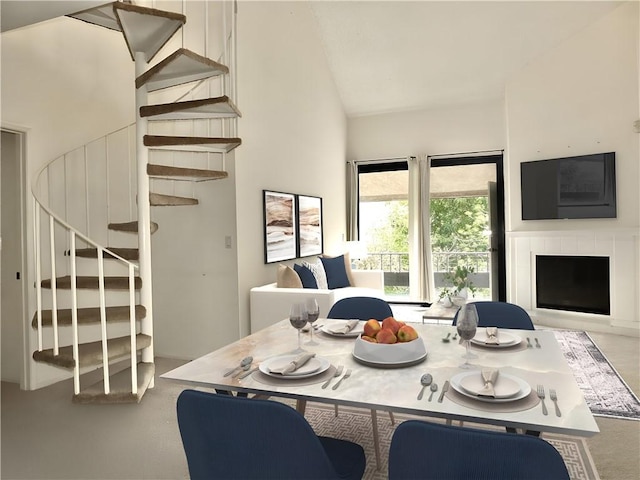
<point>406,333</point>
<point>392,324</point>
<point>372,327</point>
<point>366,338</point>
<point>386,335</point>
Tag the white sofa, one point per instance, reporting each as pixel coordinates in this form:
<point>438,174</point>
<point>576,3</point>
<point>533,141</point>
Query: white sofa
<point>270,304</point>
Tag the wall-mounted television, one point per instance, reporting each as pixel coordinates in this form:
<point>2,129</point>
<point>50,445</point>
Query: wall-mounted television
<point>571,187</point>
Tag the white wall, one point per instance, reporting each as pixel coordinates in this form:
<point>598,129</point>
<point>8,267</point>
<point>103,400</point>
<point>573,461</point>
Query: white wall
<point>293,130</point>
<point>467,128</point>
<point>580,98</point>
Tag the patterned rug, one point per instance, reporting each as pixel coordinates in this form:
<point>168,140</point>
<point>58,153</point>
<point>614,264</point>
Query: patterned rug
<point>355,425</point>
<point>604,390</point>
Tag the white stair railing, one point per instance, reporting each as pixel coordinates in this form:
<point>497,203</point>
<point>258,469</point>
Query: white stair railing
<point>62,263</point>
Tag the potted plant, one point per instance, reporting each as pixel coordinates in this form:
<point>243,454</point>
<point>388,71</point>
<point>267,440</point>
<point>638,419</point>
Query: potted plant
<point>458,285</point>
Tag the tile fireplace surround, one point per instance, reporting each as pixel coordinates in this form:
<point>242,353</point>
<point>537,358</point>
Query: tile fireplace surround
<point>621,246</point>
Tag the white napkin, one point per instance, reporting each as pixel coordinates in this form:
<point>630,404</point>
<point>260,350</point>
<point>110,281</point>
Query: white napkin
<point>295,364</point>
<point>492,336</point>
<point>489,377</point>
<point>345,328</point>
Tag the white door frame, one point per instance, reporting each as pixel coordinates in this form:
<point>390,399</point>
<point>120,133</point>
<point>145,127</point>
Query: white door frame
<point>21,134</point>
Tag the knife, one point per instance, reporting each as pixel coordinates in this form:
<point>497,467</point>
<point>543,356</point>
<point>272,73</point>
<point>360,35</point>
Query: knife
<point>444,390</point>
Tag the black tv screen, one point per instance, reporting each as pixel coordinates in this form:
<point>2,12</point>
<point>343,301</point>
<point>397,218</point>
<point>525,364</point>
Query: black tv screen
<point>571,187</point>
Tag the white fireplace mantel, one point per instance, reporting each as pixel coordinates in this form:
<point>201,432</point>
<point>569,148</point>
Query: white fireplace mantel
<point>622,246</point>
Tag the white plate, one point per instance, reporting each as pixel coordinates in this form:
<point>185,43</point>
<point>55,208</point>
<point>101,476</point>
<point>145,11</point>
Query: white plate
<point>314,366</point>
<point>355,332</point>
<point>507,339</point>
<point>505,386</point>
<point>524,388</point>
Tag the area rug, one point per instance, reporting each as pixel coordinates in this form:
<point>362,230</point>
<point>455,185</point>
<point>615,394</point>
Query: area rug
<point>604,390</point>
<point>355,425</point>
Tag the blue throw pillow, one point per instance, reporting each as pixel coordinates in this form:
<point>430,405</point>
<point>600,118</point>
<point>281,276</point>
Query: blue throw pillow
<point>336,272</point>
<point>306,276</point>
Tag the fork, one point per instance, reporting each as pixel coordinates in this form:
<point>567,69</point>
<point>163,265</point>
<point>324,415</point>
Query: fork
<point>346,375</point>
<point>337,373</point>
<point>554,398</point>
<point>540,392</point>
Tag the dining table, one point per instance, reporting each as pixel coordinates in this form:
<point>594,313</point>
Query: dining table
<point>528,358</point>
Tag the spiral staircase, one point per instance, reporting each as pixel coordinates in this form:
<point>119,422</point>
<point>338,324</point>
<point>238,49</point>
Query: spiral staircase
<point>87,322</point>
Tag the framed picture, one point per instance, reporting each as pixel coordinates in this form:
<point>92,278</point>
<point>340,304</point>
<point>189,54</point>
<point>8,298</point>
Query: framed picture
<point>280,226</point>
<point>309,225</point>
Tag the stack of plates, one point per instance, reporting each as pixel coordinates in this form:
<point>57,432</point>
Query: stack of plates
<point>314,366</point>
<point>507,387</point>
<point>506,339</point>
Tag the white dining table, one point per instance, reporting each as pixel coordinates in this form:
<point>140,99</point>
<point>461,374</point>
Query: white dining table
<point>396,389</point>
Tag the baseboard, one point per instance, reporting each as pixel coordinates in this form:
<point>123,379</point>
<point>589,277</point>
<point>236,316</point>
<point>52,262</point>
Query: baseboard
<point>577,324</point>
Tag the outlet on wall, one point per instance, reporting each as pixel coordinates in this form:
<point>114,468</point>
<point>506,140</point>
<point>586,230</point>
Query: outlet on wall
<point>227,241</point>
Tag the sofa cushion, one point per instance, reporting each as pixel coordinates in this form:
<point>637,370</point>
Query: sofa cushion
<point>287,277</point>
<point>306,276</point>
<point>347,267</point>
<point>318,272</point>
<point>336,272</point>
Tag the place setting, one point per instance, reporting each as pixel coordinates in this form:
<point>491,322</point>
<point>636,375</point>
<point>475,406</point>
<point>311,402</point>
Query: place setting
<point>498,339</point>
<point>342,328</point>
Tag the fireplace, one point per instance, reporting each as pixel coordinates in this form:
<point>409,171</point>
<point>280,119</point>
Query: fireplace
<point>573,283</point>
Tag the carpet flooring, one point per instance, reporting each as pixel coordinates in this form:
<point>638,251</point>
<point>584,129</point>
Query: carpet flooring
<point>604,390</point>
<point>355,425</point>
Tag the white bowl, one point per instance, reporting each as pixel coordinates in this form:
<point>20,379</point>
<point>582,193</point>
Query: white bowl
<point>390,355</point>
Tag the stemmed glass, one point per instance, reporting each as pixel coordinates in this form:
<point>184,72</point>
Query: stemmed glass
<point>467,324</point>
<point>313,312</point>
<point>298,319</point>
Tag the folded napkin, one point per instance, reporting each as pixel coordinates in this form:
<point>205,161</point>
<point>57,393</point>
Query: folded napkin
<point>294,365</point>
<point>345,328</point>
<point>492,336</point>
<point>489,377</point>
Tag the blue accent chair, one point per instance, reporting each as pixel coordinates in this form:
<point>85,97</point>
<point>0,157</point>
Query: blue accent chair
<point>501,315</point>
<point>423,450</point>
<point>362,308</point>
<point>226,437</point>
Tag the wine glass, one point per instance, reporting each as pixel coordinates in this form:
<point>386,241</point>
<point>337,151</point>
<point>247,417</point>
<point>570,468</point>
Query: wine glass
<point>298,319</point>
<point>313,312</point>
<point>467,325</point>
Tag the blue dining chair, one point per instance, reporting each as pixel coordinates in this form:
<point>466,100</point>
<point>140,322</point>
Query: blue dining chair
<point>432,451</point>
<point>501,315</point>
<point>226,437</point>
<point>364,308</point>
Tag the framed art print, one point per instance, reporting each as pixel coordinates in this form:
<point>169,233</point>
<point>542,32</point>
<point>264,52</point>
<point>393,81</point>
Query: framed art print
<point>280,226</point>
<point>309,225</point>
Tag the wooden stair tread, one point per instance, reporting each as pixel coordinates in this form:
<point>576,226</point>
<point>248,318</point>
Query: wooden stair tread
<point>146,29</point>
<point>126,253</point>
<point>120,387</point>
<point>191,143</point>
<point>90,354</point>
<point>91,283</point>
<point>89,315</point>
<point>216,107</point>
<point>182,66</point>
<point>180,173</point>
<point>161,200</point>
<point>103,16</point>
<point>130,227</point>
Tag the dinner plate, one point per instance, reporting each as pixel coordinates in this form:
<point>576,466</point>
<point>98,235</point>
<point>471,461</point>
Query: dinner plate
<point>504,387</point>
<point>524,388</point>
<point>314,366</point>
<point>507,339</point>
<point>355,332</point>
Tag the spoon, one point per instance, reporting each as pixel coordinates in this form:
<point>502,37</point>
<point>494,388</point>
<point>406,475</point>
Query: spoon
<point>446,339</point>
<point>425,380</point>
<point>243,363</point>
<point>434,389</point>
<point>455,336</point>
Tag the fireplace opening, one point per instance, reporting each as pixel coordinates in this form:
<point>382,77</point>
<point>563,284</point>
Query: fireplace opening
<point>573,283</point>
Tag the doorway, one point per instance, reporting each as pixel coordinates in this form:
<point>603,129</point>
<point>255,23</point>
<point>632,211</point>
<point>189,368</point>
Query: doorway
<point>12,299</point>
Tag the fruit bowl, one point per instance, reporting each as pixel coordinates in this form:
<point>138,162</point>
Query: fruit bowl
<point>389,355</point>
